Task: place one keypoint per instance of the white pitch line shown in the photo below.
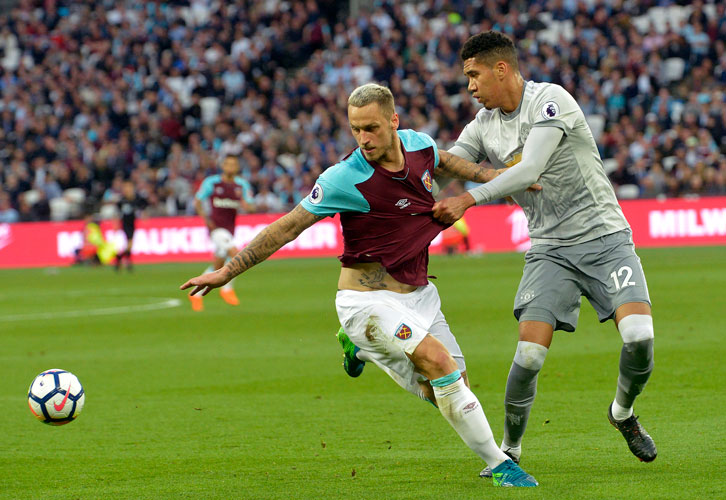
(165, 304)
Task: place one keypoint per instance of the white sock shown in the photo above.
(515, 451)
(620, 413)
(462, 410)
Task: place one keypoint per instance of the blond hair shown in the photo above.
(373, 93)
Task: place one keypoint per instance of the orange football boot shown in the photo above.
(197, 302)
(229, 296)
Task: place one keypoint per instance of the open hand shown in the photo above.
(206, 282)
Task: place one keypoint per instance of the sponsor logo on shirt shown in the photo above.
(427, 182)
(550, 110)
(225, 203)
(403, 203)
(316, 195)
(403, 332)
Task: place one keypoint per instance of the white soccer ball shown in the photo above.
(56, 397)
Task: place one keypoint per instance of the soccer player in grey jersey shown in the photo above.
(581, 242)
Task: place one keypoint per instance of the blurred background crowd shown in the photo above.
(96, 92)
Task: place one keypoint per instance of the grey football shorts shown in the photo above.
(606, 270)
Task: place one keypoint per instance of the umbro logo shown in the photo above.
(403, 203)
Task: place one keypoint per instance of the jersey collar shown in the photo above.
(510, 116)
(399, 175)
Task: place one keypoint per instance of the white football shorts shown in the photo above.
(222, 241)
(389, 325)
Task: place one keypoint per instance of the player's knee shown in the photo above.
(522, 380)
(636, 328)
(442, 361)
(530, 355)
(432, 359)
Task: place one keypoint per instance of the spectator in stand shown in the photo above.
(88, 93)
(7, 212)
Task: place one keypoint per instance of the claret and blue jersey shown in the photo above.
(386, 216)
(224, 198)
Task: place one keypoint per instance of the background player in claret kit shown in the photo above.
(383, 193)
(581, 242)
(227, 194)
(129, 206)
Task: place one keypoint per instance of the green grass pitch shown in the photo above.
(252, 403)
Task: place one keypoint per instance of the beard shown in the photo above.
(382, 150)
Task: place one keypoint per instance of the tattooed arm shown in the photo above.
(455, 167)
(267, 242)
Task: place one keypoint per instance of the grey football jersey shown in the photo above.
(577, 202)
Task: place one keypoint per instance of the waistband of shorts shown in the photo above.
(389, 293)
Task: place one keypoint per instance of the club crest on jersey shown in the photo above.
(550, 110)
(316, 195)
(526, 296)
(403, 332)
(427, 182)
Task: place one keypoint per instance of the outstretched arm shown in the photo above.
(267, 242)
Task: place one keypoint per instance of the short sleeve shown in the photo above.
(246, 190)
(469, 144)
(205, 189)
(428, 139)
(335, 192)
(555, 107)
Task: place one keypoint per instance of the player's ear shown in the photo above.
(394, 121)
(501, 68)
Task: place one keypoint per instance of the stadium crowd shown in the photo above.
(95, 92)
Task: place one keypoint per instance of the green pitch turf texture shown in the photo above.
(252, 402)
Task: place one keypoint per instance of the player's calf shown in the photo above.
(520, 392)
(636, 365)
(636, 362)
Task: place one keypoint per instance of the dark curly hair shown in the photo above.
(490, 47)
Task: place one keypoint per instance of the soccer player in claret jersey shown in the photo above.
(227, 194)
(581, 242)
(383, 193)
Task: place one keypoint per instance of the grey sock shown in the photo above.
(518, 399)
(636, 365)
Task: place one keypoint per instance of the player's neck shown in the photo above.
(394, 160)
(227, 178)
(515, 92)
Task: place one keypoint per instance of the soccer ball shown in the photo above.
(56, 397)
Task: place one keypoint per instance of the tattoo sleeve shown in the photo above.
(271, 239)
(451, 165)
